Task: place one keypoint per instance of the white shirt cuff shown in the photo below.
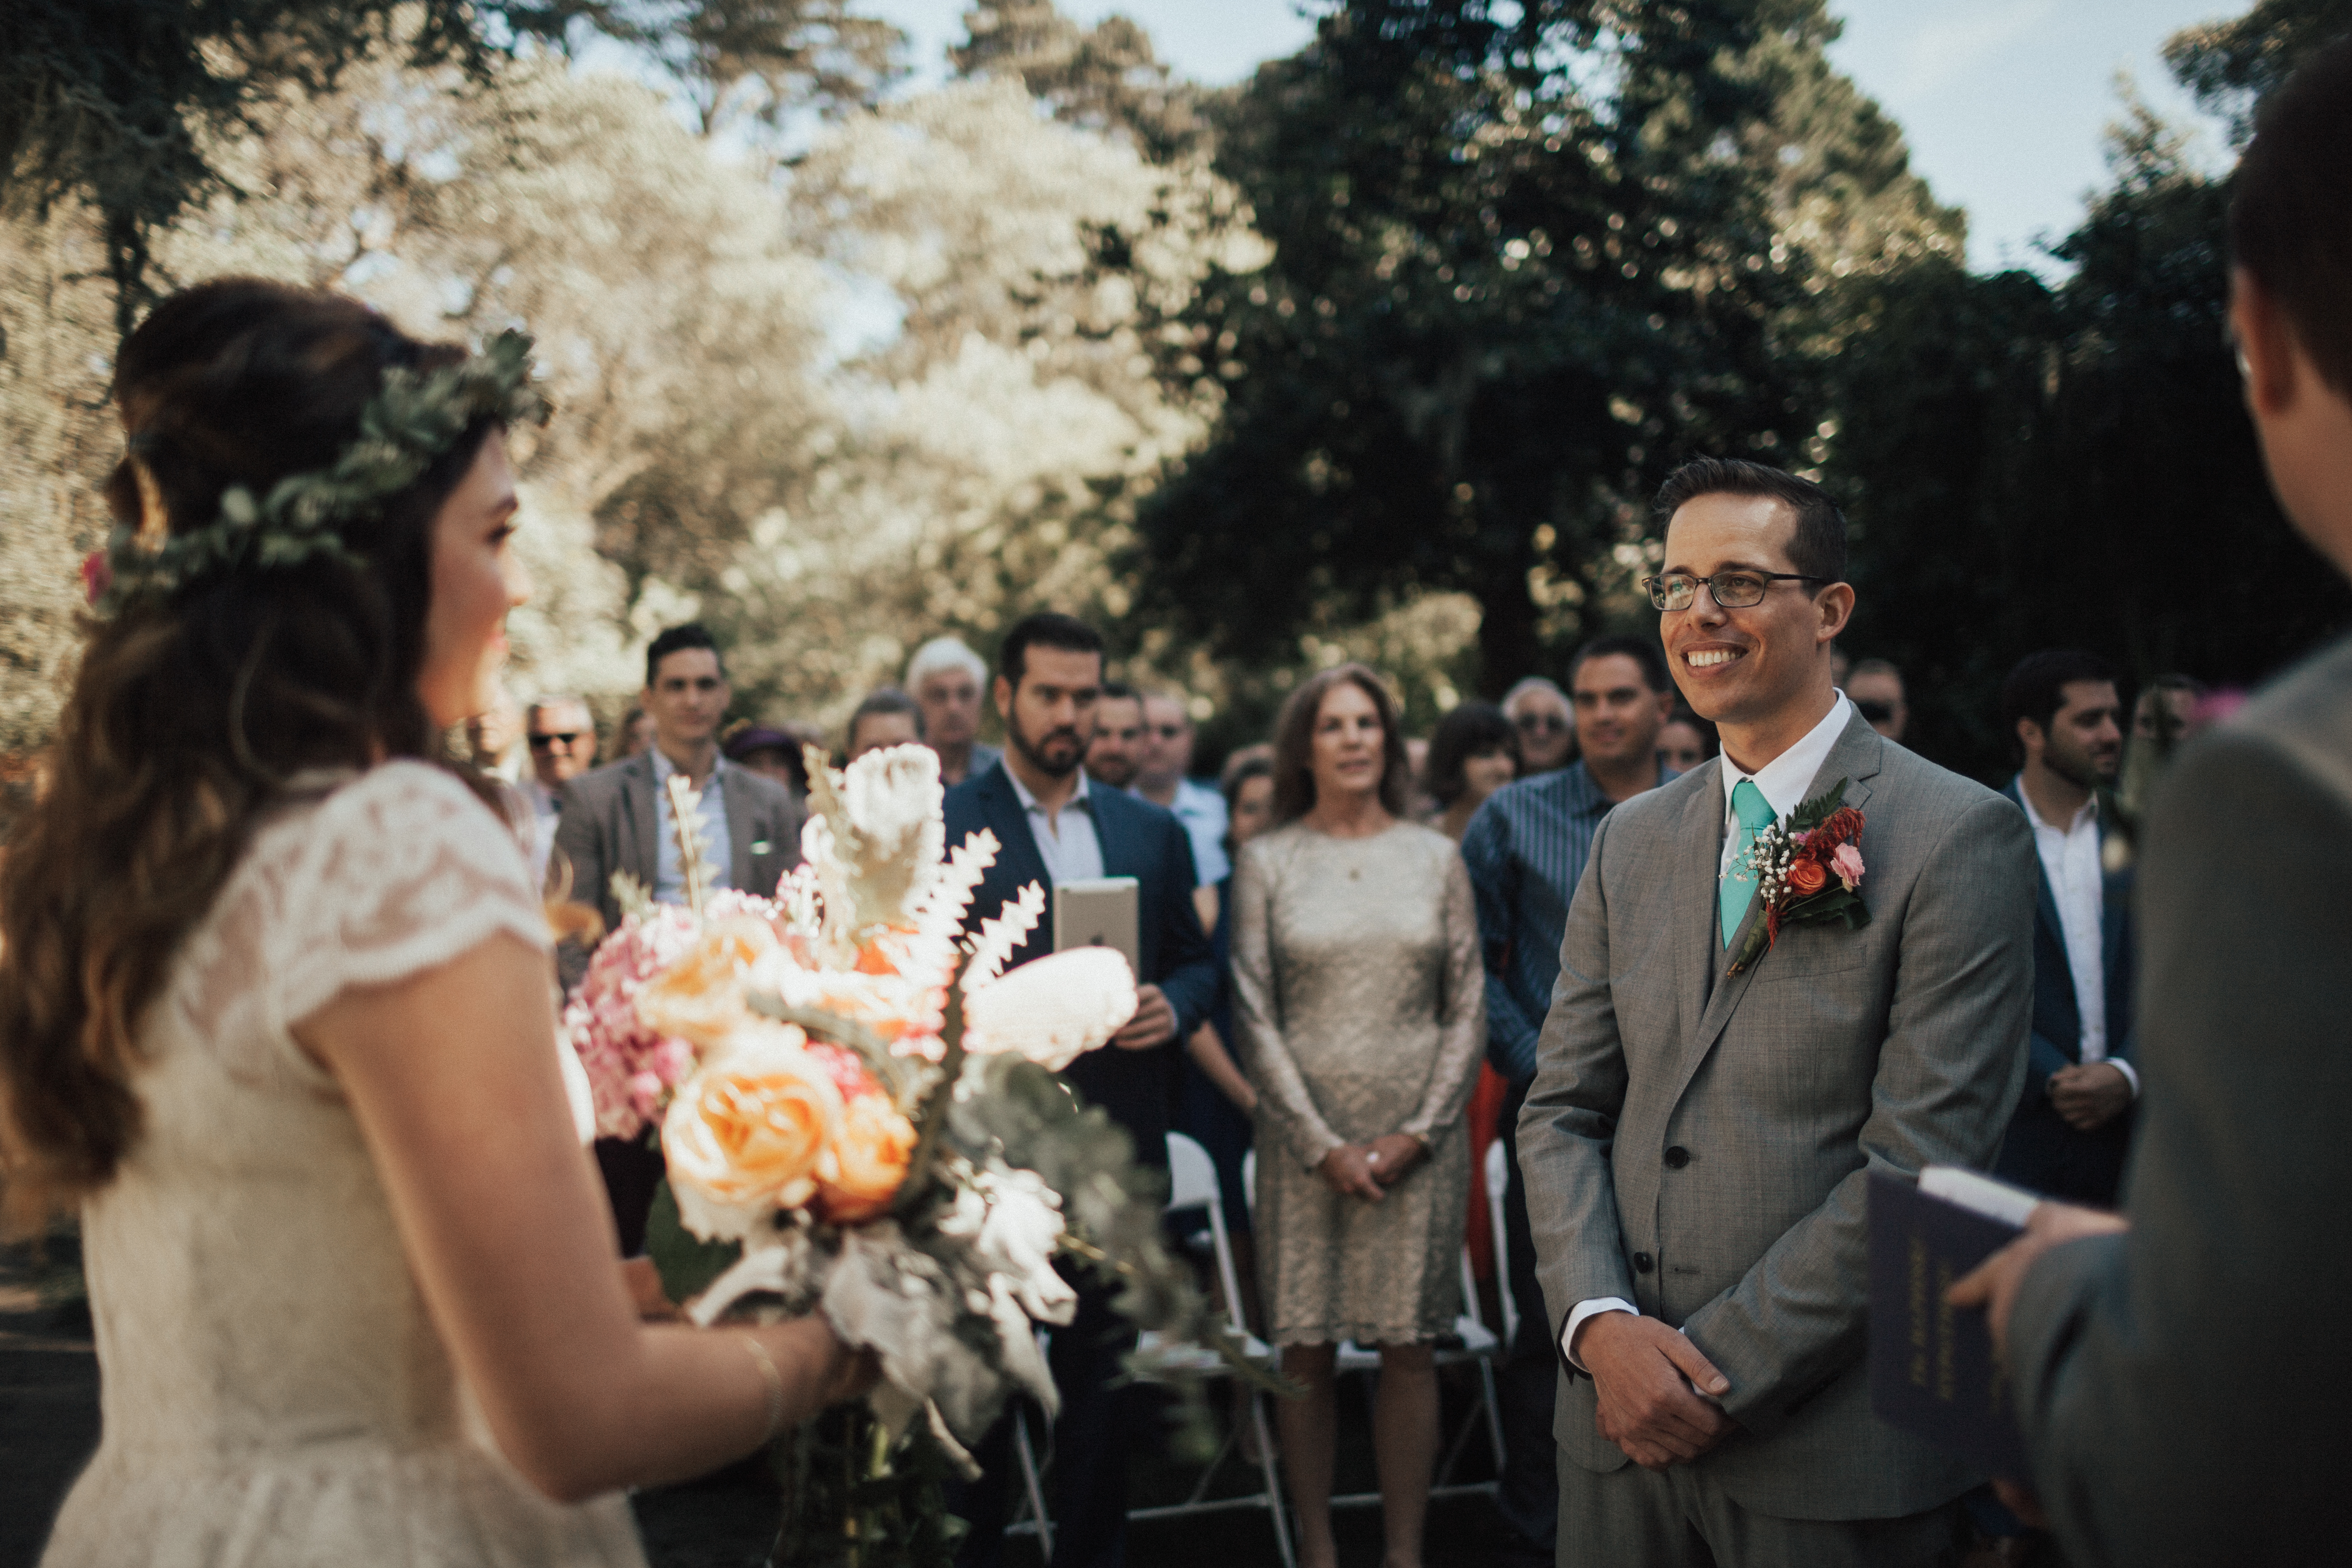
(2131, 1073)
(1589, 1309)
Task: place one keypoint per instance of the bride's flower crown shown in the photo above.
(411, 421)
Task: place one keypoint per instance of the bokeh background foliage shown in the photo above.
(1377, 354)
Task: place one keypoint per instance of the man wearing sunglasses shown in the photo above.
(1697, 1142)
(562, 737)
(1539, 709)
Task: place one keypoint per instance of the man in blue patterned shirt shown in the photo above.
(1526, 849)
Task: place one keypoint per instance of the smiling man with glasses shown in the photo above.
(562, 737)
(1696, 1143)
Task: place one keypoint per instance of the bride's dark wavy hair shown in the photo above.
(191, 711)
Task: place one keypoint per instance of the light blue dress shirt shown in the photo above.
(670, 878)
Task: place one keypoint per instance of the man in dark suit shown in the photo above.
(1054, 828)
(617, 818)
(2073, 1127)
(2182, 1371)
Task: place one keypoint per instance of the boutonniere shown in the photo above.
(1808, 870)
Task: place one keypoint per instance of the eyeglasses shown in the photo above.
(539, 743)
(1731, 590)
(1541, 724)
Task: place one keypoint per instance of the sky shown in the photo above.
(2004, 103)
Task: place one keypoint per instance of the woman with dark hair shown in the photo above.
(1360, 1006)
(1473, 752)
(274, 1006)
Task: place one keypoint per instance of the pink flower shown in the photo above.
(645, 1093)
(1846, 861)
(97, 576)
(672, 1060)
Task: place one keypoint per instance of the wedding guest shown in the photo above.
(562, 734)
(772, 753)
(633, 735)
(1526, 850)
(1163, 779)
(887, 717)
(1697, 1142)
(1356, 996)
(1213, 1098)
(1473, 752)
(354, 1287)
(1116, 752)
(1538, 709)
(1055, 826)
(946, 677)
(1687, 740)
(2182, 1373)
(2167, 709)
(1875, 688)
(617, 818)
(2073, 1126)
(494, 737)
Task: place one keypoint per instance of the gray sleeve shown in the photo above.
(1283, 1100)
(1570, 1121)
(2183, 1387)
(1460, 1010)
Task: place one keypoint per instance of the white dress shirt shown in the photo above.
(670, 878)
(2070, 859)
(1070, 847)
(1202, 810)
(544, 815)
(1785, 782)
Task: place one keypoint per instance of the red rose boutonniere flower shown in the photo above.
(1808, 869)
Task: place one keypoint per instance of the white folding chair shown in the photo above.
(1498, 1173)
(1192, 1184)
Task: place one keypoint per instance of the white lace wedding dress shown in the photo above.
(274, 1391)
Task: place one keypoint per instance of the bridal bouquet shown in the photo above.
(859, 1115)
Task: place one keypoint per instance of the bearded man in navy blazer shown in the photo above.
(1054, 828)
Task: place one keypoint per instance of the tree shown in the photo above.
(1526, 260)
(108, 101)
(1107, 78)
(2031, 467)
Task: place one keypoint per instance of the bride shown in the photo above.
(275, 1002)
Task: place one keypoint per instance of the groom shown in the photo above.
(1697, 1143)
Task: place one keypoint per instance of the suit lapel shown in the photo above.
(1697, 917)
(1855, 759)
(1120, 855)
(2045, 902)
(1019, 858)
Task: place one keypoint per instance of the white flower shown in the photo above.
(1020, 1236)
(1053, 1010)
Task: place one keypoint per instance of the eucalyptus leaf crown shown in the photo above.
(405, 429)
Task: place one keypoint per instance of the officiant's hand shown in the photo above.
(1154, 1023)
(2089, 1095)
(1643, 1374)
(1993, 1284)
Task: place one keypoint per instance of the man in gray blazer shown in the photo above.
(1696, 1143)
(2183, 1382)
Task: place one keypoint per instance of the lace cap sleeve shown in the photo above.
(403, 869)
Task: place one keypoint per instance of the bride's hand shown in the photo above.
(645, 1285)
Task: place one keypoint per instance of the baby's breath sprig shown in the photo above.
(412, 420)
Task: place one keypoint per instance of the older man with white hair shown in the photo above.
(945, 678)
(1539, 709)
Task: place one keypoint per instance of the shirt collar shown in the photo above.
(1786, 777)
(1079, 798)
(2089, 811)
(663, 767)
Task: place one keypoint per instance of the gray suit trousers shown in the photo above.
(1633, 1518)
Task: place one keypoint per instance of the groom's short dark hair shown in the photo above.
(1819, 548)
(1047, 628)
(2290, 221)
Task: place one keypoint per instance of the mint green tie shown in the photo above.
(1739, 885)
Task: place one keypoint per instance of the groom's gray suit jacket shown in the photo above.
(1698, 1144)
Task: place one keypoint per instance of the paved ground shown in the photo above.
(48, 1424)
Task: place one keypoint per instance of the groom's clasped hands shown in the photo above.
(1644, 1375)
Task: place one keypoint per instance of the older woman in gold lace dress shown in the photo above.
(1360, 1004)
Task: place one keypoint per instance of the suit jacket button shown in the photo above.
(1641, 1263)
(1677, 1157)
